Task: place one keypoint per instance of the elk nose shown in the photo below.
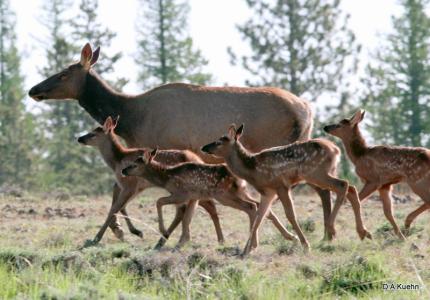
(81, 140)
(205, 148)
(33, 91)
(326, 128)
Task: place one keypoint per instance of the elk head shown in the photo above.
(224, 144)
(344, 128)
(68, 83)
(138, 167)
(99, 135)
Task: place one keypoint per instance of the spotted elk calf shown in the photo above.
(379, 167)
(187, 182)
(126, 188)
(275, 171)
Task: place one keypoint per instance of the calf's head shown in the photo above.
(345, 127)
(100, 136)
(224, 144)
(138, 167)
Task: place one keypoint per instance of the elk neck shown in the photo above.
(102, 101)
(156, 173)
(355, 144)
(112, 151)
(241, 161)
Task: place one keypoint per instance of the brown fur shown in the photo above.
(176, 115)
(379, 167)
(278, 169)
(189, 181)
(116, 156)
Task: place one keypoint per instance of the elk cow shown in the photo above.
(176, 116)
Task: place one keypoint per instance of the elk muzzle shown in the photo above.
(330, 128)
(209, 148)
(85, 138)
(127, 171)
(36, 93)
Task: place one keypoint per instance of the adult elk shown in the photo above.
(382, 166)
(176, 116)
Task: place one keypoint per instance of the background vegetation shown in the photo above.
(314, 57)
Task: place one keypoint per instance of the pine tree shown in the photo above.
(303, 46)
(398, 81)
(67, 164)
(165, 50)
(16, 127)
(86, 28)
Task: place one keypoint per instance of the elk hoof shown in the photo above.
(331, 235)
(401, 236)
(90, 243)
(138, 233)
(306, 248)
(119, 233)
(365, 234)
(161, 242)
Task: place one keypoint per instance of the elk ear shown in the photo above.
(115, 122)
(95, 56)
(232, 131)
(108, 124)
(356, 118)
(363, 112)
(86, 55)
(153, 153)
(239, 132)
(146, 156)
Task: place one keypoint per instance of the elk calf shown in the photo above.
(126, 188)
(276, 170)
(187, 182)
(379, 167)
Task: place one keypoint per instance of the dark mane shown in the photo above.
(99, 99)
(358, 144)
(246, 157)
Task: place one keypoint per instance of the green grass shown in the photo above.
(40, 257)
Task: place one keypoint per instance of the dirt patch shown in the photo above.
(69, 213)
(397, 199)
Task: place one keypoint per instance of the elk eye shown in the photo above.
(63, 76)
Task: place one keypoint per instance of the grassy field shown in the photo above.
(40, 237)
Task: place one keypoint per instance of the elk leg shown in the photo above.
(356, 207)
(326, 205)
(179, 215)
(130, 225)
(115, 225)
(367, 190)
(263, 209)
(210, 207)
(414, 214)
(385, 194)
(422, 191)
(189, 213)
(273, 218)
(287, 202)
(165, 201)
(340, 187)
(124, 196)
